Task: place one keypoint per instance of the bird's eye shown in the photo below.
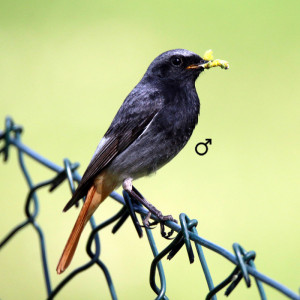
(176, 61)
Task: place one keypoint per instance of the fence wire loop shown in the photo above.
(240, 269)
(129, 203)
(10, 128)
(124, 214)
(238, 273)
(186, 232)
(70, 170)
(66, 173)
(243, 258)
(186, 225)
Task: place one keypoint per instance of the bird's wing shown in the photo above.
(118, 137)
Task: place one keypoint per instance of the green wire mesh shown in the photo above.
(186, 232)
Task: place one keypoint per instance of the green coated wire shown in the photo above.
(186, 233)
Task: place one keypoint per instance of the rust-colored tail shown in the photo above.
(96, 194)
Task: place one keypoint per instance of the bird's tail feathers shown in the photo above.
(93, 200)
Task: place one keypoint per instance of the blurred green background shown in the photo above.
(65, 68)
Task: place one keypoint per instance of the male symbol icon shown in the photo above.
(208, 142)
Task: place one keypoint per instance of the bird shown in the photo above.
(151, 127)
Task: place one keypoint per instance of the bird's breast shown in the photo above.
(162, 140)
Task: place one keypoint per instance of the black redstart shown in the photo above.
(153, 124)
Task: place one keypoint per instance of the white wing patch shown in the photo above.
(103, 141)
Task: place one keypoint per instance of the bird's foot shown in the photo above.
(137, 196)
(162, 220)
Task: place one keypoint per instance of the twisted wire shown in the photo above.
(186, 232)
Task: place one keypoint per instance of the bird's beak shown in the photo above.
(197, 66)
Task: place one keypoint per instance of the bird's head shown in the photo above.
(176, 66)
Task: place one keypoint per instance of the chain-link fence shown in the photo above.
(186, 232)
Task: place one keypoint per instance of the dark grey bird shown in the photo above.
(153, 124)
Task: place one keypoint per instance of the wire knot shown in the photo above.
(186, 225)
(66, 173)
(244, 258)
(10, 127)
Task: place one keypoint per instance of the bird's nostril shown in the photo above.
(203, 61)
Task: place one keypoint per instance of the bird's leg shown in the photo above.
(146, 221)
(127, 186)
(134, 193)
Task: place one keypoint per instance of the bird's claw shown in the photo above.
(163, 219)
(151, 225)
(147, 224)
(164, 234)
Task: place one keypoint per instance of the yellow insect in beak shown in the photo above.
(208, 55)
